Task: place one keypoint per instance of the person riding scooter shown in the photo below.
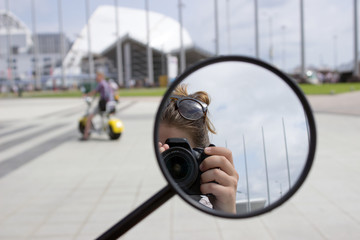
(106, 95)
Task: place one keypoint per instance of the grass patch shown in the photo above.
(142, 92)
(133, 92)
(329, 88)
(308, 89)
(45, 94)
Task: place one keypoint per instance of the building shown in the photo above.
(15, 44)
(134, 61)
(42, 63)
(18, 53)
(164, 44)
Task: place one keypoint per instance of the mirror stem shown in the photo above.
(138, 214)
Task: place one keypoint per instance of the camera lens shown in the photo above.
(177, 167)
(182, 166)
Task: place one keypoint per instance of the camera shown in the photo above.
(183, 162)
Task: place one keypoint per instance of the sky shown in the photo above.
(329, 37)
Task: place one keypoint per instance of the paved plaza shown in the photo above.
(54, 186)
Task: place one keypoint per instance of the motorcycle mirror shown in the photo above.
(260, 116)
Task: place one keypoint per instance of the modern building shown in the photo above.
(19, 55)
(15, 44)
(165, 65)
(149, 42)
(129, 30)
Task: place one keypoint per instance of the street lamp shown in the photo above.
(228, 25)
(36, 47)
(216, 27)
(335, 52)
(182, 51)
(283, 28)
(302, 39)
(62, 44)
(118, 47)
(356, 56)
(90, 56)
(256, 29)
(9, 48)
(149, 52)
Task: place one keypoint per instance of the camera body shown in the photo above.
(183, 162)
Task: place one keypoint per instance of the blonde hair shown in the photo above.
(197, 129)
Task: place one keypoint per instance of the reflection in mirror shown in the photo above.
(258, 129)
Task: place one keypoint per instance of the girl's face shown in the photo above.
(167, 131)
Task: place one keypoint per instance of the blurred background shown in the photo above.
(59, 44)
(53, 186)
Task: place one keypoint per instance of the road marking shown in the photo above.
(11, 164)
(28, 137)
(16, 130)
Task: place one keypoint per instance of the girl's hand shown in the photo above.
(163, 147)
(220, 178)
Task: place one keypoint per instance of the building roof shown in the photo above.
(9, 23)
(7, 19)
(164, 32)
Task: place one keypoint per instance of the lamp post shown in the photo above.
(356, 55)
(36, 47)
(283, 28)
(9, 48)
(149, 52)
(256, 29)
(302, 39)
(90, 56)
(216, 27)
(118, 48)
(182, 51)
(335, 52)
(62, 43)
(271, 45)
(228, 25)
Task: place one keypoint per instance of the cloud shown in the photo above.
(248, 101)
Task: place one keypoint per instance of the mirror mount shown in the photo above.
(138, 214)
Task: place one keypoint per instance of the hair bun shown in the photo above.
(202, 96)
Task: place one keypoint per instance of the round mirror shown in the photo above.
(234, 136)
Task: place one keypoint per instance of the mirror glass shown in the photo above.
(256, 117)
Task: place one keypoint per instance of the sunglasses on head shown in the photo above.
(189, 108)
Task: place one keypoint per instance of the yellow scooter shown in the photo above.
(108, 123)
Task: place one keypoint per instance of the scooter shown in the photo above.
(108, 123)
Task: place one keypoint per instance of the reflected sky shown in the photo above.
(255, 112)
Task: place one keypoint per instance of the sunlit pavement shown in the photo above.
(53, 186)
